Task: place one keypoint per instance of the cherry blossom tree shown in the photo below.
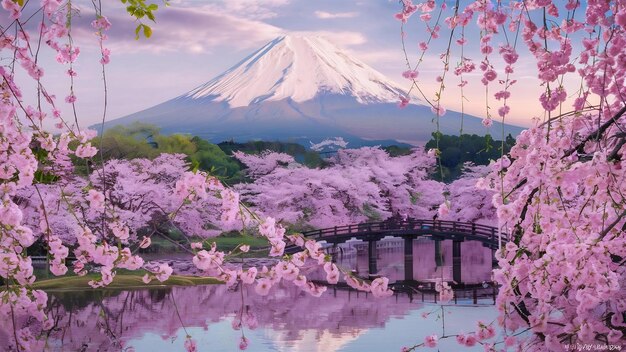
(97, 217)
(469, 203)
(359, 185)
(43, 198)
(141, 194)
(560, 191)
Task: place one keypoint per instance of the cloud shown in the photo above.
(251, 9)
(341, 39)
(183, 29)
(194, 30)
(329, 15)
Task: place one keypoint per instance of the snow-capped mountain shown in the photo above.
(297, 68)
(300, 88)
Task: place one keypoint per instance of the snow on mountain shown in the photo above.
(302, 89)
(297, 68)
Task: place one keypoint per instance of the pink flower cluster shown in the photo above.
(410, 74)
(445, 291)
(555, 192)
(101, 25)
(275, 234)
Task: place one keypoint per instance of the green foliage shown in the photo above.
(394, 150)
(144, 141)
(129, 280)
(45, 178)
(415, 197)
(371, 213)
(175, 143)
(228, 241)
(457, 150)
(140, 9)
(147, 31)
(134, 141)
(41, 176)
(210, 157)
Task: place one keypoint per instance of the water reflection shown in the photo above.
(288, 319)
(429, 262)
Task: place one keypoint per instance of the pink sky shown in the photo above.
(196, 40)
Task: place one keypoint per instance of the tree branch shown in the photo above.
(596, 134)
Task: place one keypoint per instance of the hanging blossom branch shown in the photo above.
(562, 184)
(93, 218)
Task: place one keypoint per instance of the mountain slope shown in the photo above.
(297, 68)
(301, 89)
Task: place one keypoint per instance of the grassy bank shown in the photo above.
(225, 242)
(121, 281)
(228, 242)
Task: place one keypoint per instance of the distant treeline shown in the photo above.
(457, 150)
(145, 141)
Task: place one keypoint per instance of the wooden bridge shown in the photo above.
(409, 230)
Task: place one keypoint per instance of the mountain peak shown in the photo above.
(297, 67)
(301, 89)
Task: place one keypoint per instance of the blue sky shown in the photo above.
(195, 40)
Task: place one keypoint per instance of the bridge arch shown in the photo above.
(410, 229)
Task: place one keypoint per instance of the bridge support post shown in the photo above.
(438, 256)
(371, 252)
(408, 258)
(456, 261)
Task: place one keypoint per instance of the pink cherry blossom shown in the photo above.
(190, 345)
(145, 242)
(249, 276)
(410, 74)
(243, 343)
(404, 102)
(263, 287)
(430, 341)
(438, 110)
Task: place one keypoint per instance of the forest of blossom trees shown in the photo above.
(360, 185)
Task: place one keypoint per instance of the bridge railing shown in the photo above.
(434, 226)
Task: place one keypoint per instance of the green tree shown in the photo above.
(457, 150)
(145, 141)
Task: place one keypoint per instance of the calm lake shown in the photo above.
(286, 320)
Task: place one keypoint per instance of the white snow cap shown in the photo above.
(297, 67)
